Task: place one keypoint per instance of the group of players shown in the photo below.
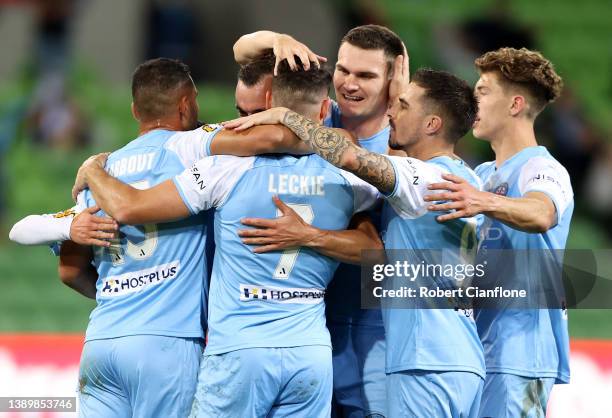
(279, 340)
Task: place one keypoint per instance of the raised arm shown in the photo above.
(75, 269)
(335, 145)
(249, 46)
(126, 204)
(290, 231)
(268, 139)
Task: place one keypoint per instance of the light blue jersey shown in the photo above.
(273, 299)
(440, 340)
(268, 308)
(343, 296)
(526, 342)
(358, 335)
(152, 280)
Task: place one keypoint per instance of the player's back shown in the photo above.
(418, 337)
(151, 279)
(276, 299)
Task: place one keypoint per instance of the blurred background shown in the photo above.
(65, 94)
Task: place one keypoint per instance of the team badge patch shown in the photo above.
(208, 128)
(502, 189)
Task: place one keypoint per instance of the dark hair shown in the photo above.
(157, 85)
(525, 69)
(252, 72)
(294, 88)
(452, 97)
(376, 37)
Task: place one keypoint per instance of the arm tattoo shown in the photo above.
(330, 144)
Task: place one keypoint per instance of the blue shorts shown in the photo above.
(506, 395)
(359, 369)
(265, 382)
(138, 376)
(420, 393)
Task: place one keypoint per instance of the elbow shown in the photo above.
(238, 56)
(124, 215)
(14, 233)
(18, 233)
(543, 223)
(124, 210)
(67, 275)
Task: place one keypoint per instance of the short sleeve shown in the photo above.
(191, 146)
(547, 176)
(209, 181)
(365, 195)
(412, 177)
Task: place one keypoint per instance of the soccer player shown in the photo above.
(435, 361)
(254, 84)
(528, 203)
(145, 337)
(140, 279)
(361, 82)
(265, 309)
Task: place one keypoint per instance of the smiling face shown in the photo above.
(407, 118)
(494, 104)
(252, 99)
(361, 81)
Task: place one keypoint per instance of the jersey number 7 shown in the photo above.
(289, 257)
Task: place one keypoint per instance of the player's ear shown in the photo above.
(183, 105)
(268, 99)
(135, 112)
(518, 105)
(324, 109)
(433, 124)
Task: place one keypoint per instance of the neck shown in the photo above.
(430, 148)
(170, 125)
(513, 140)
(365, 127)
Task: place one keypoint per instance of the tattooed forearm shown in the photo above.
(339, 150)
(326, 142)
(376, 169)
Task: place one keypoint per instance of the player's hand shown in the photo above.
(80, 183)
(286, 47)
(287, 231)
(401, 76)
(88, 229)
(272, 116)
(459, 196)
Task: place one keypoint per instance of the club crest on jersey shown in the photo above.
(208, 128)
(501, 190)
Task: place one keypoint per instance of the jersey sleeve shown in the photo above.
(209, 181)
(365, 195)
(412, 177)
(547, 176)
(44, 229)
(191, 146)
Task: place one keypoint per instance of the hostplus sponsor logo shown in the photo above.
(137, 281)
(281, 294)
